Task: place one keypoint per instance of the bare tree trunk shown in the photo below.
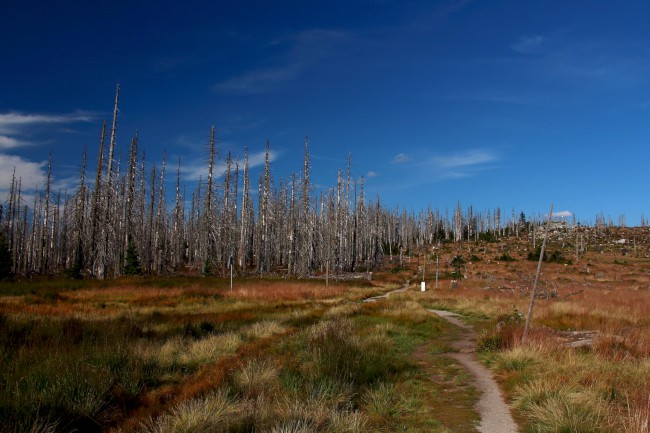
(109, 186)
(130, 193)
(539, 269)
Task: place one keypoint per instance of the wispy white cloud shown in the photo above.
(372, 174)
(15, 132)
(528, 44)
(473, 157)
(10, 123)
(7, 142)
(16, 127)
(563, 214)
(425, 168)
(569, 57)
(400, 158)
(259, 81)
(303, 50)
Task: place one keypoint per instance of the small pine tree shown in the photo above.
(132, 261)
(207, 269)
(5, 258)
(458, 264)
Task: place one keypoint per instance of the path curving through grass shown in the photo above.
(386, 295)
(495, 414)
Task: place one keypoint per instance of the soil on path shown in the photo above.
(386, 295)
(495, 415)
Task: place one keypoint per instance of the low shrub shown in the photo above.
(504, 335)
(505, 257)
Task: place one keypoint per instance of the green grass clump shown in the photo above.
(341, 354)
(552, 407)
(66, 372)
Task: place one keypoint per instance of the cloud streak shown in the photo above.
(7, 142)
(400, 158)
(260, 81)
(305, 49)
(427, 169)
(198, 169)
(10, 123)
(15, 126)
(469, 158)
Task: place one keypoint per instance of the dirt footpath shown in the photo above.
(495, 415)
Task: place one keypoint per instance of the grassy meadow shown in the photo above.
(274, 355)
(190, 355)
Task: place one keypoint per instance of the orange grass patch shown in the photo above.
(57, 309)
(260, 290)
(285, 291)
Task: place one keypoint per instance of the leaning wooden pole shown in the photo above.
(539, 269)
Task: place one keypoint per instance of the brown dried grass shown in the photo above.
(285, 291)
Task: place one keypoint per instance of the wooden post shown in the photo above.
(539, 268)
(577, 249)
(424, 267)
(327, 272)
(436, 271)
(232, 262)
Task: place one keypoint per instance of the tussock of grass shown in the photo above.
(264, 329)
(519, 358)
(383, 406)
(407, 312)
(340, 354)
(213, 412)
(568, 412)
(256, 377)
(178, 352)
(342, 310)
(324, 406)
(347, 422)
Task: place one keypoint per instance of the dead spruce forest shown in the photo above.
(121, 222)
(107, 352)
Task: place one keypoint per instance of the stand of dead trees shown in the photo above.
(123, 223)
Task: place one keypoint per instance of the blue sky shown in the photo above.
(490, 103)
